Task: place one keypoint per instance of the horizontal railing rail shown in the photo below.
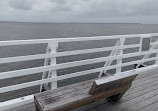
(61, 54)
(50, 67)
(42, 41)
(17, 73)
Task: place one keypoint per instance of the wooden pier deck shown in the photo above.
(142, 96)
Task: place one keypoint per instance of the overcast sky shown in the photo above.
(107, 11)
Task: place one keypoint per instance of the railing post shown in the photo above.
(46, 63)
(109, 62)
(145, 40)
(120, 52)
(156, 61)
(54, 46)
(51, 48)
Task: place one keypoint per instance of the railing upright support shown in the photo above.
(156, 61)
(54, 47)
(46, 63)
(145, 45)
(51, 48)
(109, 62)
(119, 61)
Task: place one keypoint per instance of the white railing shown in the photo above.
(50, 67)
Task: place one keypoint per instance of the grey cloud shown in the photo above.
(80, 10)
(59, 1)
(21, 4)
(149, 7)
(107, 8)
(113, 8)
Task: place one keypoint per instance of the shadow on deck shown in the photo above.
(142, 96)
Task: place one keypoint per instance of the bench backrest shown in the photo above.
(106, 83)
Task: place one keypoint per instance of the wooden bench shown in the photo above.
(73, 96)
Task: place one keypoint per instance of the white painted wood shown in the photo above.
(119, 61)
(39, 41)
(46, 63)
(53, 73)
(101, 37)
(153, 43)
(24, 58)
(108, 63)
(144, 36)
(24, 42)
(16, 102)
(152, 47)
(61, 54)
(22, 72)
(156, 61)
(140, 48)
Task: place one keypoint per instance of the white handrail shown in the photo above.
(41, 41)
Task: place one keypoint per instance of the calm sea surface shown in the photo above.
(21, 31)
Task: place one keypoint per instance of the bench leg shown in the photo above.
(115, 97)
(36, 108)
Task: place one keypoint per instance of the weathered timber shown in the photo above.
(74, 96)
(106, 83)
(76, 99)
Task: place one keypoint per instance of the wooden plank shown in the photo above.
(142, 89)
(142, 104)
(133, 102)
(136, 94)
(82, 99)
(119, 106)
(16, 102)
(143, 78)
(26, 107)
(146, 74)
(106, 83)
(91, 105)
(151, 107)
(50, 92)
(147, 81)
(64, 92)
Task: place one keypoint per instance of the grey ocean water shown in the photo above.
(21, 31)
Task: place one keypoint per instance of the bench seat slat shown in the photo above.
(64, 90)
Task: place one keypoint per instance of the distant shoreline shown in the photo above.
(65, 22)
